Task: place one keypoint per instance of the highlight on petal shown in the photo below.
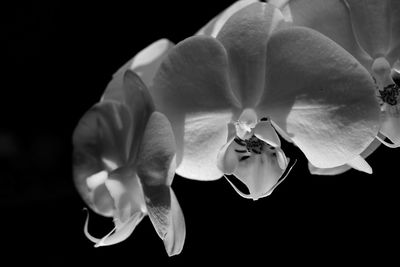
(192, 90)
(259, 172)
(102, 136)
(264, 131)
(322, 97)
(145, 64)
(329, 17)
(118, 234)
(126, 190)
(214, 26)
(156, 159)
(360, 164)
(245, 36)
(176, 233)
(246, 122)
(343, 168)
(391, 129)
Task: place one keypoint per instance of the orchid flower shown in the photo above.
(369, 31)
(124, 164)
(228, 96)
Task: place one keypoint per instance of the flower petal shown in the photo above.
(158, 202)
(343, 168)
(391, 128)
(192, 90)
(214, 26)
(322, 97)
(156, 159)
(394, 53)
(145, 64)
(265, 132)
(360, 164)
(122, 232)
(101, 141)
(227, 160)
(259, 172)
(127, 193)
(371, 24)
(329, 17)
(245, 37)
(166, 216)
(176, 233)
(137, 99)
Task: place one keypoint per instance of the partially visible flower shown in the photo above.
(227, 96)
(370, 31)
(124, 164)
(213, 27)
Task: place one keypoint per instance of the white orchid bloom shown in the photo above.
(124, 164)
(227, 96)
(369, 30)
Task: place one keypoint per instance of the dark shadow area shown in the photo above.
(59, 58)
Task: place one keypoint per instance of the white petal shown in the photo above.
(360, 164)
(156, 159)
(145, 64)
(391, 129)
(192, 90)
(371, 24)
(176, 233)
(118, 234)
(121, 233)
(104, 132)
(227, 159)
(214, 26)
(345, 167)
(322, 97)
(126, 191)
(245, 36)
(260, 173)
(329, 17)
(264, 131)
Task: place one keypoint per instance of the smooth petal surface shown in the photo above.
(227, 159)
(394, 53)
(360, 164)
(176, 232)
(192, 90)
(135, 96)
(118, 234)
(214, 26)
(265, 132)
(343, 168)
(391, 129)
(145, 64)
(127, 193)
(371, 22)
(329, 17)
(259, 172)
(245, 37)
(156, 160)
(322, 97)
(101, 141)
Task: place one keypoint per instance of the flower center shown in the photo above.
(253, 145)
(388, 92)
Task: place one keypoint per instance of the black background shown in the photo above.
(58, 58)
